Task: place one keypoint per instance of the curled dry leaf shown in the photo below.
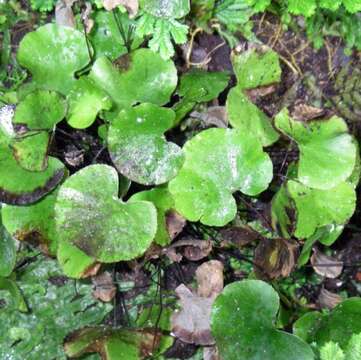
(104, 287)
(132, 6)
(213, 116)
(327, 299)
(325, 265)
(304, 112)
(193, 249)
(191, 324)
(275, 258)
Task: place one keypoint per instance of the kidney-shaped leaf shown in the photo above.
(53, 54)
(138, 147)
(242, 324)
(90, 216)
(141, 76)
(327, 150)
(218, 163)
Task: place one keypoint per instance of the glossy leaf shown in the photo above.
(90, 216)
(327, 150)
(19, 186)
(337, 326)
(142, 76)
(85, 102)
(316, 208)
(253, 68)
(53, 54)
(242, 324)
(40, 110)
(138, 147)
(33, 223)
(218, 163)
(164, 202)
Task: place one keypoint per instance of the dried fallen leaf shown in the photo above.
(325, 265)
(132, 6)
(254, 94)
(191, 324)
(275, 258)
(211, 353)
(193, 249)
(328, 299)
(239, 236)
(210, 278)
(213, 116)
(64, 14)
(174, 223)
(104, 287)
(304, 112)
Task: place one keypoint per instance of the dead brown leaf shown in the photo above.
(254, 94)
(213, 116)
(325, 265)
(174, 223)
(64, 14)
(304, 112)
(104, 288)
(275, 258)
(132, 6)
(210, 278)
(211, 353)
(239, 235)
(193, 249)
(328, 299)
(191, 323)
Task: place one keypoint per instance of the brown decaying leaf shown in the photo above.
(304, 112)
(275, 258)
(132, 6)
(325, 265)
(174, 223)
(211, 353)
(254, 94)
(327, 299)
(64, 14)
(191, 324)
(239, 235)
(213, 116)
(104, 288)
(193, 249)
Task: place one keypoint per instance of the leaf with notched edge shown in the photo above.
(138, 147)
(90, 216)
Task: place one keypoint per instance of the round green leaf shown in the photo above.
(53, 54)
(164, 202)
(138, 147)
(40, 110)
(166, 9)
(316, 208)
(19, 186)
(142, 76)
(31, 151)
(7, 252)
(218, 163)
(242, 323)
(90, 216)
(327, 150)
(85, 101)
(33, 223)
